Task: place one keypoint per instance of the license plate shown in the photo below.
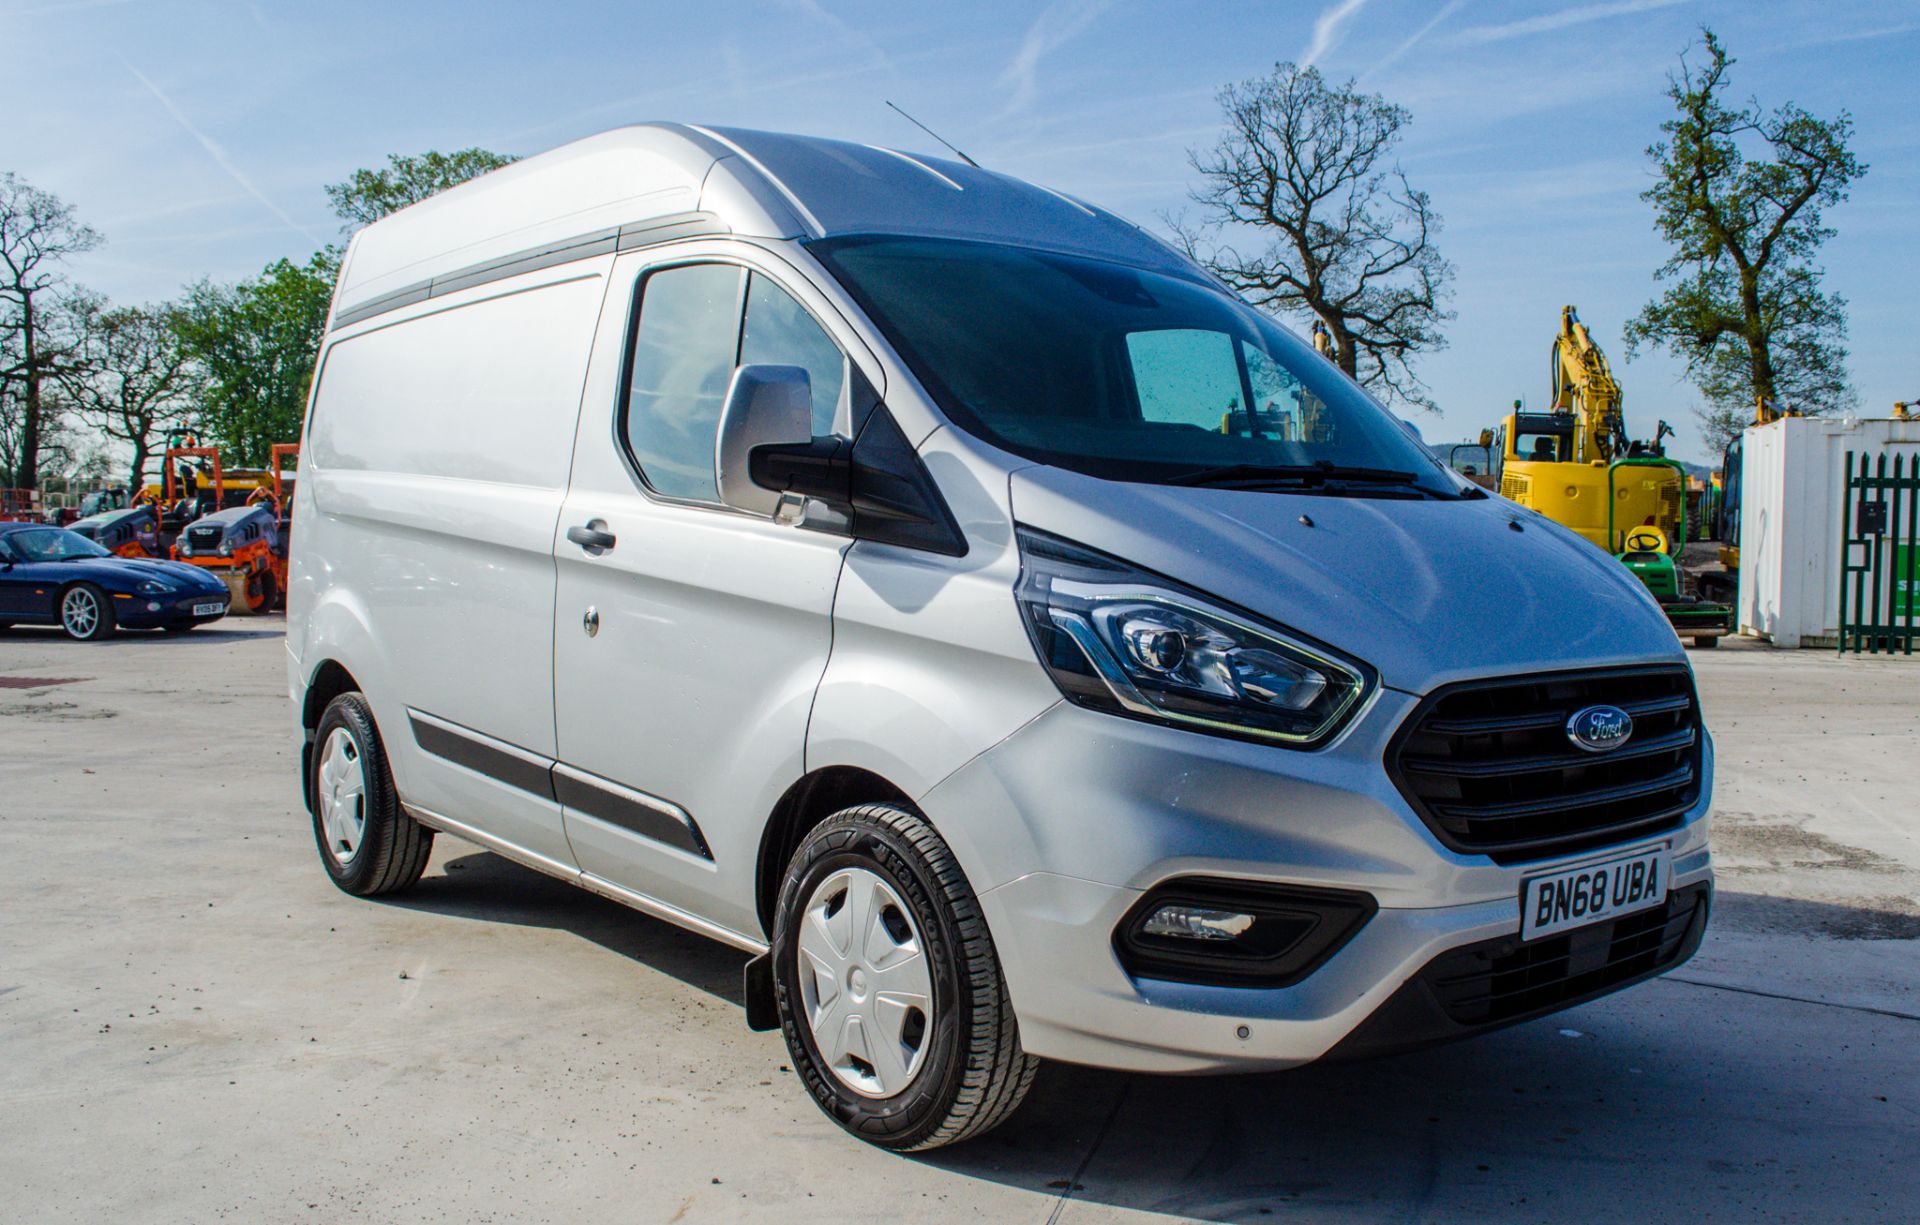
(1592, 893)
(208, 610)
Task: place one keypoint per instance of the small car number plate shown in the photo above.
(208, 610)
(1593, 892)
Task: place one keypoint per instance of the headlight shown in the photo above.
(226, 548)
(155, 587)
(1132, 643)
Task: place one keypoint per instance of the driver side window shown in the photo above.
(697, 324)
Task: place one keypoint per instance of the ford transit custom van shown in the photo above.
(944, 592)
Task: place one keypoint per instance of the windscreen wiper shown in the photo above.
(1255, 475)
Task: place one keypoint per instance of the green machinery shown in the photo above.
(1647, 551)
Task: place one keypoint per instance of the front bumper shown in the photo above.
(172, 608)
(1064, 826)
(1502, 982)
(1075, 1002)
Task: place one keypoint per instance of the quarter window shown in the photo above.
(779, 332)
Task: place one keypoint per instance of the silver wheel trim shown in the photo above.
(866, 993)
(342, 795)
(79, 612)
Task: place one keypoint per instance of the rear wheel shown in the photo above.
(368, 843)
(1705, 643)
(888, 986)
(85, 613)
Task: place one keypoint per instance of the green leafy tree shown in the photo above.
(1740, 196)
(254, 346)
(1306, 215)
(368, 195)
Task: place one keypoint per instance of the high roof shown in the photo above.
(662, 179)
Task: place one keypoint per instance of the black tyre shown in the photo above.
(86, 613)
(368, 843)
(1704, 643)
(888, 986)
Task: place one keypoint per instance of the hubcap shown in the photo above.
(864, 983)
(79, 612)
(343, 795)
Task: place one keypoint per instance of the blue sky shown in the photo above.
(196, 134)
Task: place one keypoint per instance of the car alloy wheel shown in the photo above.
(865, 986)
(79, 612)
(342, 795)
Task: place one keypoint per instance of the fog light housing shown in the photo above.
(1237, 933)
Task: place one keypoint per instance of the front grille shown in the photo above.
(204, 537)
(1503, 980)
(1490, 769)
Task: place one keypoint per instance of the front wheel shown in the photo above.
(368, 843)
(888, 986)
(85, 613)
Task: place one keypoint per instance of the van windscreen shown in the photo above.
(1116, 371)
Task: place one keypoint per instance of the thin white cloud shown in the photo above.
(1392, 57)
(1327, 30)
(219, 155)
(1057, 24)
(1547, 22)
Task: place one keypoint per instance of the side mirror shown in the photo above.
(766, 406)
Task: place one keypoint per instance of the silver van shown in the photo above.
(946, 593)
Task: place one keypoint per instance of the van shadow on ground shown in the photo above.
(1672, 1100)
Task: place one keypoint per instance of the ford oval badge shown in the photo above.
(1600, 729)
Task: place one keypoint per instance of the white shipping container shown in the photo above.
(1793, 484)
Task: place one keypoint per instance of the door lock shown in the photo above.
(590, 621)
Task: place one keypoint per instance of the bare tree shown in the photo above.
(37, 231)
(1743, 303)
(131, 378)
(1333, 230)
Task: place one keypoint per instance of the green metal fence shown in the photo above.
(1880, 554)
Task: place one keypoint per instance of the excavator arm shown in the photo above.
(1583, 385)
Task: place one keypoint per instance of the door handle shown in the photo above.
(594, 537)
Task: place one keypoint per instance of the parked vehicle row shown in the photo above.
(55, 576)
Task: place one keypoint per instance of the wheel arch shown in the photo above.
(809, 801)
(327, 681)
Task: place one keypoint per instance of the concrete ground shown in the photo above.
(195, 1026)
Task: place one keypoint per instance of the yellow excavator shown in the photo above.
(1576, 465)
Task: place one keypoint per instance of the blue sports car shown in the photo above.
(51, 576)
